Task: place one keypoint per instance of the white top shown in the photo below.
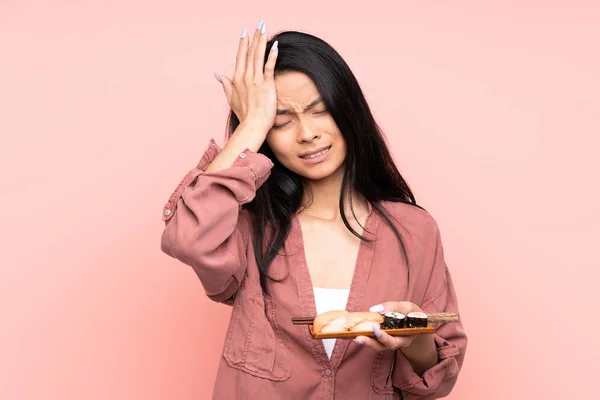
(327, 300)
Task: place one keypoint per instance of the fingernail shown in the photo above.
(377, 331)
(260, 24)
(263, 28)
(244, 33)
(217, 76)
(274, 47)
(377, 308)
(358, 341)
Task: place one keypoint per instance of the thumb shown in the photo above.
(403, 307)
(227, 86)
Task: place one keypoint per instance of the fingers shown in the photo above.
(241, 58)
(249, 76)
(383, 341)
(250, 58)
(370, 342)
(259, 54)
(250, 62)
(392, 342)
(270, 65)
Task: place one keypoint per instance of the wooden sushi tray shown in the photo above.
(354, 334)
(432, 318)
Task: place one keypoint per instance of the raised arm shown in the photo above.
(205, 226)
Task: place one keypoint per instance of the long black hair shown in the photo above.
(369, 167)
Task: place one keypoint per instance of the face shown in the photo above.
(305, 138)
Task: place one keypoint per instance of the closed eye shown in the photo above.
(280, 126)
(320, 112)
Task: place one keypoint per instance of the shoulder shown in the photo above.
(411, 219)
(420, 236)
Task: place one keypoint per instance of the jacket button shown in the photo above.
(167, 212)
(327, 372)
(243, 155)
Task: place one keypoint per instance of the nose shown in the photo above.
(307, 132)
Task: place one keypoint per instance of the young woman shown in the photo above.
(301, 212)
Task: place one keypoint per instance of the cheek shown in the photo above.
(280, 145)
(338, 138)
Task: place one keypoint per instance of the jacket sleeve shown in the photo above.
(450, 338)
(205, 226)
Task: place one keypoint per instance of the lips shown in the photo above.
(315, 153)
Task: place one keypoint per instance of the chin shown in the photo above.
(314, 175)
(320, 172)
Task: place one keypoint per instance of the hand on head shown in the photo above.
(251, 91)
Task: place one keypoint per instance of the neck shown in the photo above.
(322, 198)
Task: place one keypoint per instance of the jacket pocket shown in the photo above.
(381, 373)
(254, 343)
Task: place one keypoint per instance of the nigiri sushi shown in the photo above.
(363, 321)
(330, 321)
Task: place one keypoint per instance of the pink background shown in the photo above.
(492, 111)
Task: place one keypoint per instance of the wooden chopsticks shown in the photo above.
(302, 320)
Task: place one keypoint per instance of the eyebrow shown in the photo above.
(311, 105)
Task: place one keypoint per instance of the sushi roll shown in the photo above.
(416, 320)
(393, 320)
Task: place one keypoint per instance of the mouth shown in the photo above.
(309, 155)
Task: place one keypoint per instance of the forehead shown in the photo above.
(295, 89)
